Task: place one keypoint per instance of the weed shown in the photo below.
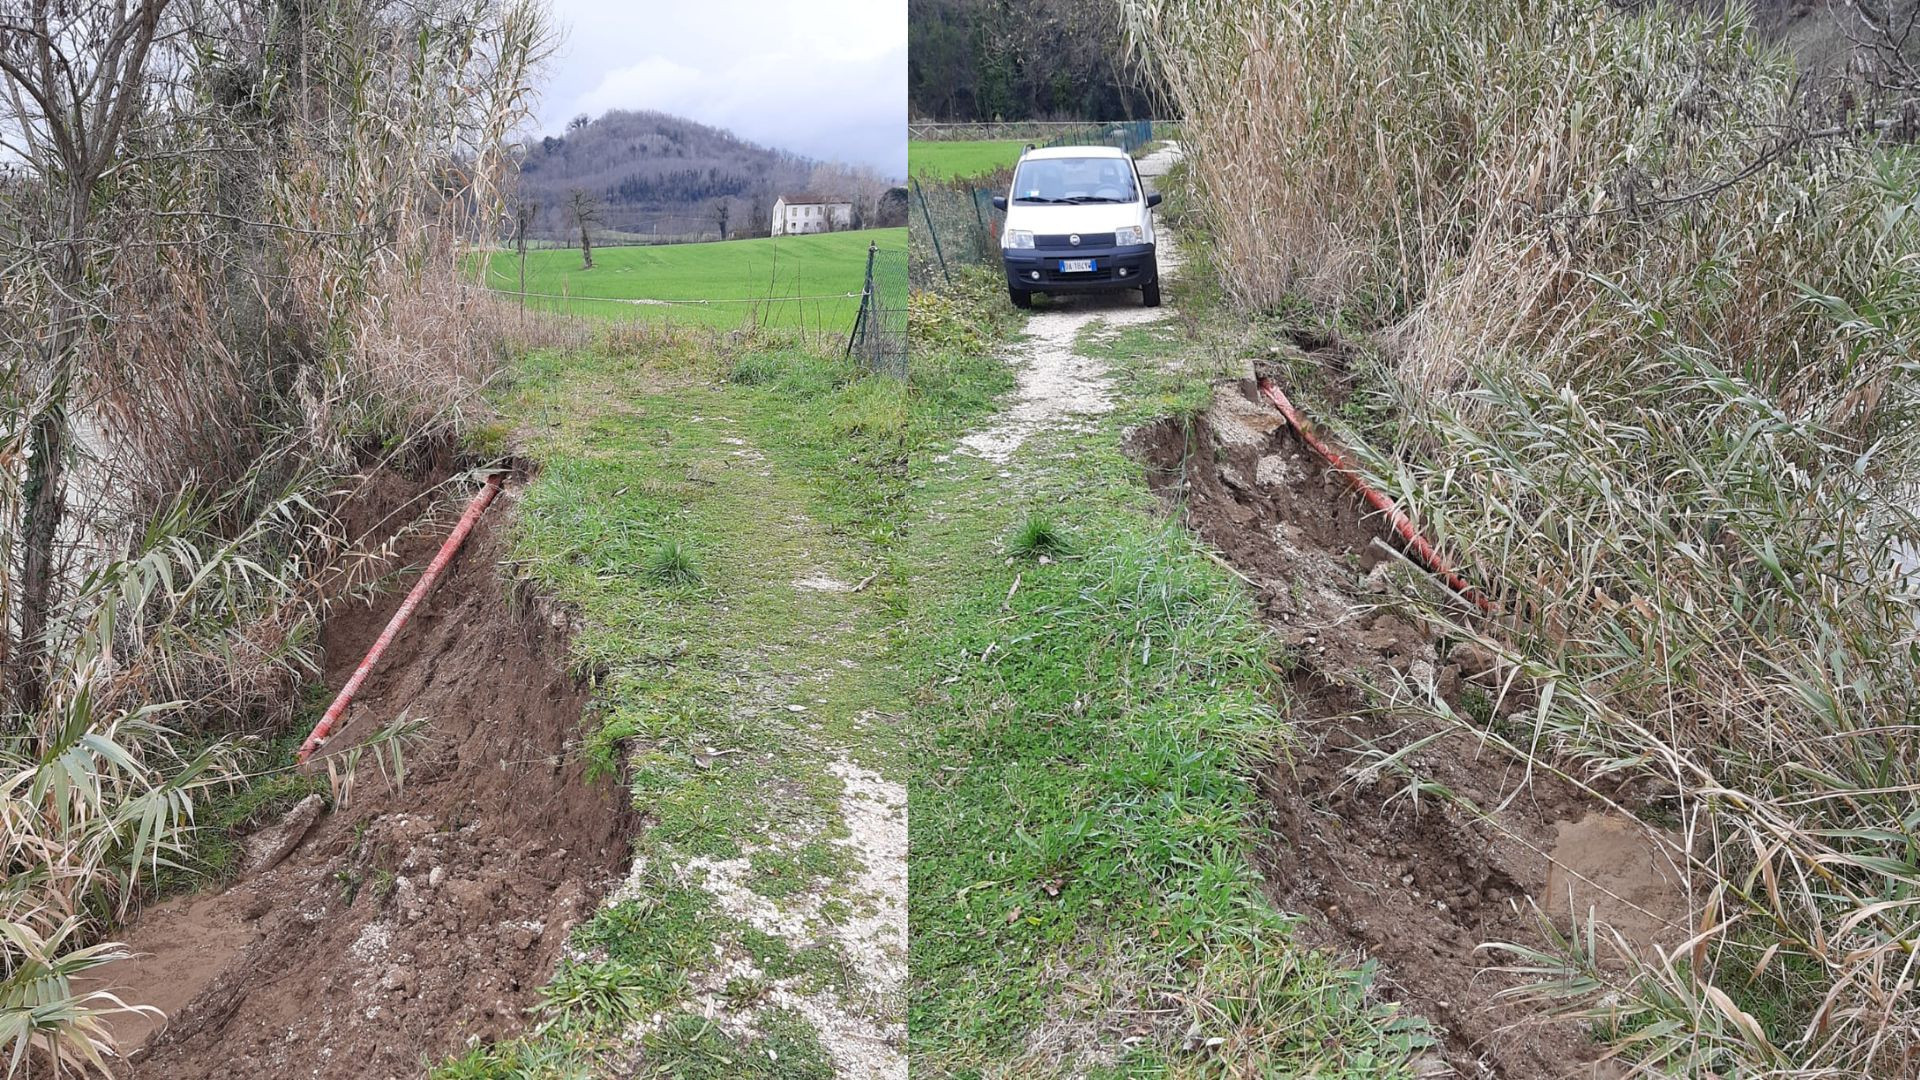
(1477, 705)
(521, 1059)
(349, 880)
(756, 368)
(1037, 535)
(671, 562)
(591, 996)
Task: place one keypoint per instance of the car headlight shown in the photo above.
(1018, 238)
(1129, 234)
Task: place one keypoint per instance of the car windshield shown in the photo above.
(1074, 180)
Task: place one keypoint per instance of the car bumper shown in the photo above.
(1127, 267)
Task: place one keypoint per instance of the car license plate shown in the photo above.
(1076, 266)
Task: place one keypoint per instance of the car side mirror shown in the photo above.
(999, 202)
(1153, 200)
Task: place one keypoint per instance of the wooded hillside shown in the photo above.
(1045, 60)
(650, 173)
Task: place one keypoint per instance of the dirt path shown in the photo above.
(1059, 387)
(1403, 841)
(1410, 842)
(817, 678)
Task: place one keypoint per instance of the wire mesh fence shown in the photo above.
(879, 335)
(952, 223)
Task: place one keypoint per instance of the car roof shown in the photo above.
(1045, 152)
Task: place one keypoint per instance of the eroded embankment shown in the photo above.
(1417, 879)
(371, 940)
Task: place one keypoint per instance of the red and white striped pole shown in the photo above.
(1423, 550)
(419, 593)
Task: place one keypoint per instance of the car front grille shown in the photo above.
(1065, 240)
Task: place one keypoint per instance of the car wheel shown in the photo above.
(1021, 298)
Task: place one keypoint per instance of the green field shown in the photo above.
(807, 282)
(946, 160)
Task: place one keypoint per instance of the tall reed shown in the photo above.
(1647, 305)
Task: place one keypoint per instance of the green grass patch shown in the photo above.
(787, 1049)
(745, 281)
(960, 158)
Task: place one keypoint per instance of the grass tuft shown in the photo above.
(1038, 534)
(671, 562)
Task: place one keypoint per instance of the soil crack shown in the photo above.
(418, 918)
(1410, 840)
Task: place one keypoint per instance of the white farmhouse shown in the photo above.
(794, 214)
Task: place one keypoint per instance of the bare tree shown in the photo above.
(584, 211)
(720, 211)
(858, 184)
(74, 75)
(760, 214)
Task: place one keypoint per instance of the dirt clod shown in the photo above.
(267, 847)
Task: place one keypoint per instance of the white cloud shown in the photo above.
(828, 80)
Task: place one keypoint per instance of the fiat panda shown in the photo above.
(1078, 220)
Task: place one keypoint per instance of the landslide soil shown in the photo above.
(418, 918)
(1417, 884)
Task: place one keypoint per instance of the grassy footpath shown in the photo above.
(949, 160)
(1091, 695)
(724, 521)
(744, 273)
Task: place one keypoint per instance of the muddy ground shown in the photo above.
(1416, 884)
(370, 940)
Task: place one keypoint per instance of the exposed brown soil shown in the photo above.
(369, 941)
(1417, 884)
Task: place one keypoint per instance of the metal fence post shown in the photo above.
(866, 297)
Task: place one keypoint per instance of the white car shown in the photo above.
(1078, 220)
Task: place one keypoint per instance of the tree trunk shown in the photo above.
(45, 495)
(586, 249)
(46, 505)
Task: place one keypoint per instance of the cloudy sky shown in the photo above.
(826, 78)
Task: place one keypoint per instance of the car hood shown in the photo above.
(1050, 218)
